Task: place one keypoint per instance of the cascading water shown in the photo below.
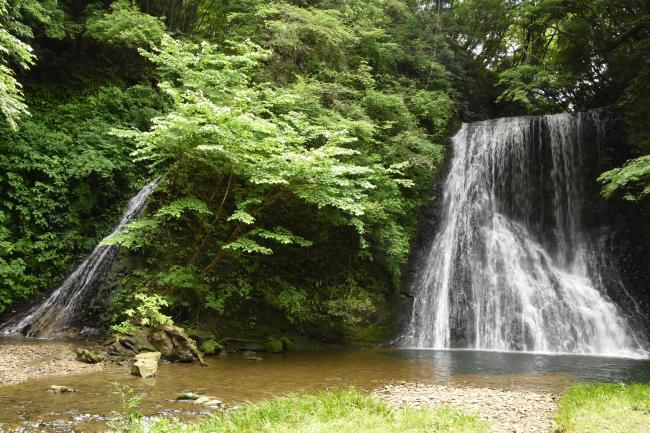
(57, 312)
(512, 266)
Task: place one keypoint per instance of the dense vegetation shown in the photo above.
(297, 141)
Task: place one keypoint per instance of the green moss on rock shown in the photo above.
(274, 346)
(211, 347)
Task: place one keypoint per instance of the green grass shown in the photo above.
(345, 411)
(605, 408)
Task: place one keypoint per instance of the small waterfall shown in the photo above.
(512, 264)
(57, 312)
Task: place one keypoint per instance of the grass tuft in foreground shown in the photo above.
(605, 408)
(346, 411)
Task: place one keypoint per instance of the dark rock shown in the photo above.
(200, 336)
(288, 343)
(253, 347)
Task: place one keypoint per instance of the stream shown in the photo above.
(234, 380)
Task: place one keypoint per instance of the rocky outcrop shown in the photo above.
(174, 344)
(146, 364)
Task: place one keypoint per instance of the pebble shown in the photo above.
(506, 411)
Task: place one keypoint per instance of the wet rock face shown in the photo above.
(146, 364)
(174, 344)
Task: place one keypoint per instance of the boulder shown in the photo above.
(85, 355)
(211, 347)
(174, 345)
(145, 364)
(274, 346)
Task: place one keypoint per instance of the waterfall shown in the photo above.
(512, 265)
(57, 312)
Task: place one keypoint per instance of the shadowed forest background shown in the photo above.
(298, 143)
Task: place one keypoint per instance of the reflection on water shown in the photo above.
(233, 379)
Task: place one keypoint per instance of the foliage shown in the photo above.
(344, 410)
(126, 26)
(146, 314)
(615, 408)
(260, 164)
(63, 180)
(633, 179)
(14, 49)
(130, 414)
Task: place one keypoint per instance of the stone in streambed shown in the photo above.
(85, 355)
(209, 401)
(58, 389)
(251, 356)
(145, 364)
(187, 395)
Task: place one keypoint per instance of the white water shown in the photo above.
(57, 313)
(512, 267)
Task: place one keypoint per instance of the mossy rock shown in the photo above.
(85, 355)
(274, 346)
(211, 347)
(200, 336)
(288, 343)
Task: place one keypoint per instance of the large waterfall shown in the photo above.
(57, 312)
(513, 266)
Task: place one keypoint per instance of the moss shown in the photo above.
(211, 347)
(274, 346)
(366, 334)
(288, 343)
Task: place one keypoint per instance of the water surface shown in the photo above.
(235, 380)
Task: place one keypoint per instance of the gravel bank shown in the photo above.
(505, 411)
(23, 360)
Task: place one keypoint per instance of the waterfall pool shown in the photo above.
(234, 380)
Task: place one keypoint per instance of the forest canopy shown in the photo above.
(298, 142)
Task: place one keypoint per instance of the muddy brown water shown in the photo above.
(234, 380)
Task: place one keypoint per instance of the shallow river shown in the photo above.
(233, 380)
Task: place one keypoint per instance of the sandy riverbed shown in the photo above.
(21, 361)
